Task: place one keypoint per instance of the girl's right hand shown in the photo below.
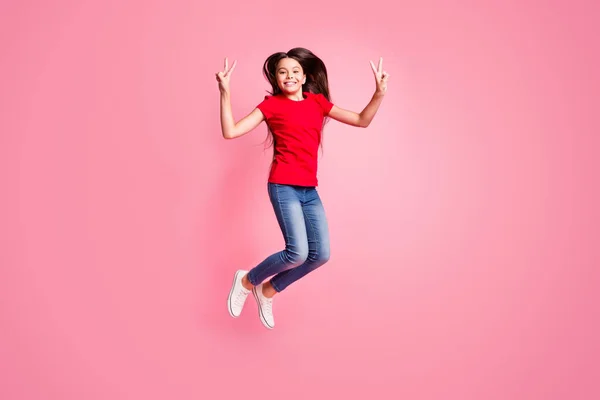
(224, 76)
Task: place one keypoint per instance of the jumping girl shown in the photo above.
(294, 113)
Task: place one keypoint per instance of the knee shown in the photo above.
(324, 255)
(297, 256)
(321, 256)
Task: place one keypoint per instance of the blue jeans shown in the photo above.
(301, 217)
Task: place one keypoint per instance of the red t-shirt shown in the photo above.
(296, 128)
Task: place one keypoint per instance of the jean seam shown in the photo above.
(282, 215)
(317, 238)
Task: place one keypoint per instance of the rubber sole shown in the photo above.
(235, 277)
(260, 314)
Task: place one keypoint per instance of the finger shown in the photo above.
(373, 66)
(231, 69)
(380, 64)
(225, 69)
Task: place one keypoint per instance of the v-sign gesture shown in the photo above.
(364, 118)
(224, 76)
(381, 77)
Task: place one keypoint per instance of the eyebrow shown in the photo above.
(285, 68)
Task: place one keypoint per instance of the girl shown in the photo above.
(295, 114)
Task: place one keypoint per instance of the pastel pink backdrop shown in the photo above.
(464, 220)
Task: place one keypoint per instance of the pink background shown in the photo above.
(464, 220)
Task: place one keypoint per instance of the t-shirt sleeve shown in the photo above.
(266, 107)
(325, 104)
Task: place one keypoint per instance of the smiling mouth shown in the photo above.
(289, 84)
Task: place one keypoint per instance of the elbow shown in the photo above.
(228, 135)
(362, 122)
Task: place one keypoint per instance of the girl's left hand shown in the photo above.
(381, 77)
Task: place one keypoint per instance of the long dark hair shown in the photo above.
(312, 66)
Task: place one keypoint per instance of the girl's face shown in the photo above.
(290, 76)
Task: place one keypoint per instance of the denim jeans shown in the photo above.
(302, 220)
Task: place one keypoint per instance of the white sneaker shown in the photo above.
(265, 307)
(237, 294)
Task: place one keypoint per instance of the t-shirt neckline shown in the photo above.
(304, 98)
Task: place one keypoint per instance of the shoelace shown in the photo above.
(239, 299)
(268, 303)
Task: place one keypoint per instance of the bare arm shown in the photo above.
(229, 128)
(364, 118)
